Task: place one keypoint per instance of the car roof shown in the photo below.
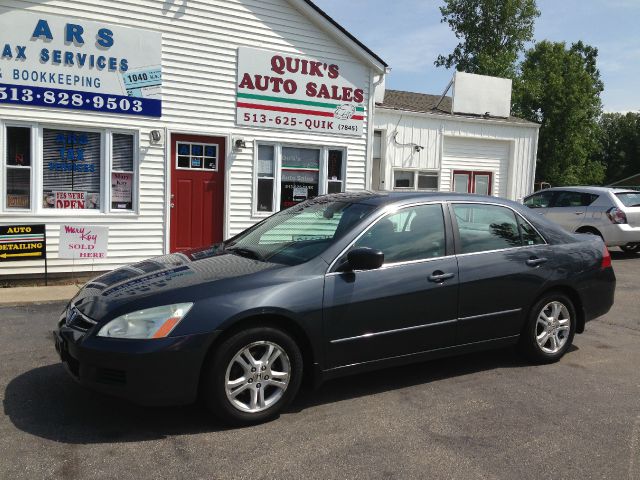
(401, 198)
(587, 189)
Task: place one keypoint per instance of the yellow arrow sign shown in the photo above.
(28, 254)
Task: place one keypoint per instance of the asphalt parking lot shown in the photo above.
(487, 415)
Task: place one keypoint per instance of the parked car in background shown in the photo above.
(335, 285)
(611, 213)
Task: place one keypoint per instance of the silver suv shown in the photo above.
(611, 213)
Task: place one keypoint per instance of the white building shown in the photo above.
(174, 124)
(422, 143)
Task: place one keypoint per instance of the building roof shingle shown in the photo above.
(425, 103)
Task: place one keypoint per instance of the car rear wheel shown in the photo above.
(550, 329)
(252, 376)
(631, 248)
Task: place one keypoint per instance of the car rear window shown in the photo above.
(629, 199)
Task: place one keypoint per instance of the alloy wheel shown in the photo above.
(553, 327)
(257, 377)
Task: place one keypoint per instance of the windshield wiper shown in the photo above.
(245, 252)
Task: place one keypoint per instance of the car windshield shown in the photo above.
(300, 233)
(629, 199)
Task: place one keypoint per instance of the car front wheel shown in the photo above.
(252, 376)
(550, 329)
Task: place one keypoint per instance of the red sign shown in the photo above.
(70, 200)
(284, 91)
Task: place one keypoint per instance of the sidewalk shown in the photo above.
(27, 295)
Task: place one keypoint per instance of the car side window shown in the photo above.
(414, 233)
(569, 199)
(486, 227)
(529, 234)
(539, 200)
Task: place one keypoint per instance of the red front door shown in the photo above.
(197, 191)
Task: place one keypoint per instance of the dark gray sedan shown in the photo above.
(333, 286)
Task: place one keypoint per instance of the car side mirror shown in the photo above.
(364, 258)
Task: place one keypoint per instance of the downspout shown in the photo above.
(370, 127)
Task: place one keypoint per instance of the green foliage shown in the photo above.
(620, 145)
(492, 34)
(560, 88)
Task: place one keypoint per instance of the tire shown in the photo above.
(266, 381)
(532, 342)
(631, 248)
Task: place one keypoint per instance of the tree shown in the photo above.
(560, 88)
(492, 34)
(620, 145)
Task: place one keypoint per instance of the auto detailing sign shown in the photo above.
(58, 62)
(83, 241)
(283, 91)
(22, 242)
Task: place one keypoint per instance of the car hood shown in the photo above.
(174, 278)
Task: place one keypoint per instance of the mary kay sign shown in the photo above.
(62, 62)
(83, 241)
(278, 90)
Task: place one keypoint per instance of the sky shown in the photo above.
(408, 35)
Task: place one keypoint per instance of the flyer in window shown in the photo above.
(121, 191)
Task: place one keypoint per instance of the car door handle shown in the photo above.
(439, 277)
(579, 213)
(534, 261)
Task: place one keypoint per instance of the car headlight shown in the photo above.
(157, 322)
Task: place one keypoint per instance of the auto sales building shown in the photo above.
(174, 124)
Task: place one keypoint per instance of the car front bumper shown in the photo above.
(148, 372)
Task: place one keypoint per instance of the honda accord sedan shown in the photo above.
(333, 286)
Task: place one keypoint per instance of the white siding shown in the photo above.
(199, 53)
(434, 132)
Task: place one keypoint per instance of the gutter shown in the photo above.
(459, 118)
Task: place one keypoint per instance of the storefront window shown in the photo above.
(300, 175)
(71, 169)
(295, 174)
(18, 167)
(122, 178)
(266, 177)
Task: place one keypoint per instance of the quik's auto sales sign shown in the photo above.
(59, 62)
(283, 91)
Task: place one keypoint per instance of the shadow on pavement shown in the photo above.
(47, 403)
(620, 255)
(407, 376)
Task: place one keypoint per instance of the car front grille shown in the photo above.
(78, 321)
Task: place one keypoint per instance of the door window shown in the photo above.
(481, 184)
(415, 233)
(539, 200)
(486, 227)
(570, 199)
(529, 234)
(461, 183)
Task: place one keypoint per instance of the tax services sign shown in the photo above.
(57, 62)
(284, 91)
